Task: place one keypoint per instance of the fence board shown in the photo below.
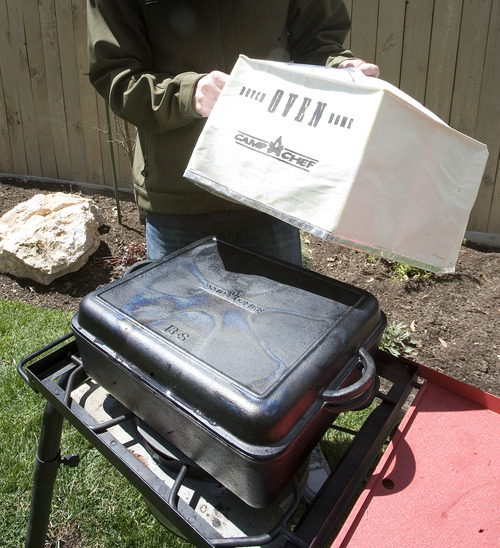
(6, 162)
(364, 15)
(12, 106)
(485, 216)
(23, 83)
(469, 72)
(390, 39)
(416, 47)
(88, 103)
(39, 88)
(71, 91)
(55, 92)
(443, 54)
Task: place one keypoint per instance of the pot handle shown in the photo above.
(359, 394)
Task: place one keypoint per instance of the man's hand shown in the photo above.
(207, 92)
(368, 69)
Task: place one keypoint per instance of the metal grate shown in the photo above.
(189, 505)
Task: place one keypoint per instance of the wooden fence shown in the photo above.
(444, 53)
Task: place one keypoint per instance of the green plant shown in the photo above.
(126, 141)
(404, 272)
(306, 254)
(113, 163)
(398, 341)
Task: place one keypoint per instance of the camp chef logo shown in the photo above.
(302, 110)
(275, 150)
(233, 296)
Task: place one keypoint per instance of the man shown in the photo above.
(162, 65)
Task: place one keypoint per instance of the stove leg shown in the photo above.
(47, 463)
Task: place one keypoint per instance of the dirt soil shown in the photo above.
(451, 319)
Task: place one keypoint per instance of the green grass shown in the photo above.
(93, 504)
(335, 442)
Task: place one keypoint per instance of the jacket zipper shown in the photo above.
(144, 172)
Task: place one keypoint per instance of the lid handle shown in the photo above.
(137, 266)
(358, 394)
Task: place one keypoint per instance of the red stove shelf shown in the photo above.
(438, 483)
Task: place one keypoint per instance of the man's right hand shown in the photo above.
(208, 90)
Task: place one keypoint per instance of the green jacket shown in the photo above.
(146, 57)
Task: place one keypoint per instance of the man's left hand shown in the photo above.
(368, 69)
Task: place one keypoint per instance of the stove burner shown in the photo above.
(165, 454)
(168, 456)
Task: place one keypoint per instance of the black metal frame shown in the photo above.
(56, 374)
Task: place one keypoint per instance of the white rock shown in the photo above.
(48, 236)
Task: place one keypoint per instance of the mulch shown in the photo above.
(453, 319)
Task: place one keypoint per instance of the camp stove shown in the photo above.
(181, 495)
(207, 378)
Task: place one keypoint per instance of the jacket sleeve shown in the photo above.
(121, 69)
(317, 30)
